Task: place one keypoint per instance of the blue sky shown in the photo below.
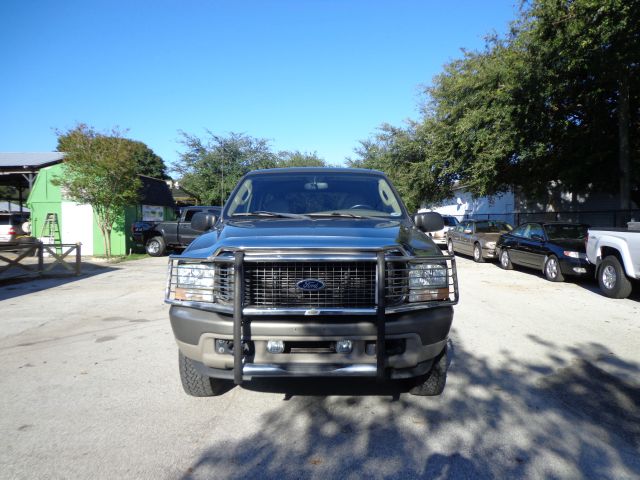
(309, 75)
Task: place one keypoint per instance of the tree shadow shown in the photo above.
(505, 420)
(16, 286)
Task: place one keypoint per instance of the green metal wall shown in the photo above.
(45, 197)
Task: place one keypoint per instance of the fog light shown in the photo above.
(275, 346)
(344, 346)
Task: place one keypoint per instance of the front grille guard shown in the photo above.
(390, 294)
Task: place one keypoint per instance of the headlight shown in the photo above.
(571, 254)
(491, 245)
(428, 281)
(192, 282)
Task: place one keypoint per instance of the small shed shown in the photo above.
(56, 219)
(19, 170)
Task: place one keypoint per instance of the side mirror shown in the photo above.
(429, 221)
(203, 221)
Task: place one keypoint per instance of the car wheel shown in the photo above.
(477, 253)
(505, 260)
(432, 383)
(198, 385)
(612, 279)
(552, 270)
(156, 247)
(450, 247)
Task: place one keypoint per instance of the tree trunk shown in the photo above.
(107, 247)
(108, 239)
(624, 155)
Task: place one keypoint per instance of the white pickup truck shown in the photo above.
(616, 254)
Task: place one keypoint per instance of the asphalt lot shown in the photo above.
(543, 383)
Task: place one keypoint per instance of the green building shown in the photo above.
(56, 219)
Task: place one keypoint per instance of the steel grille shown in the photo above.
(223, 283)
(347, 284)
(397, 283)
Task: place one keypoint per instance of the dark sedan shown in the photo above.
(557, 249)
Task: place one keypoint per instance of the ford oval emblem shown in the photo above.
(310, 285)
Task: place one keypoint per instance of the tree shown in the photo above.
(99, 170)
(211, 167)
(299, 159)
(147, 162)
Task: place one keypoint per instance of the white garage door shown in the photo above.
(77, 225)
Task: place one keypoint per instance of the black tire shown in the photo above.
(433, 383)
(612, 278)
(155, 247)
(504, 260)
(552, 270)
(477, 253)
(450, 247)
(198, 385)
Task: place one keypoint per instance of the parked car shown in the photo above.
(615, 252)
(11, 230)
(299, 278)
(158, 237)
(477, 238)
(557, 249)
(440, 236)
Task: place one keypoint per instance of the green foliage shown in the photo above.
(146, 161)
(211, 167)
(543, 106)
(299, 159)
(99, 171)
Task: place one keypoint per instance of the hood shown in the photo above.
(331, 233)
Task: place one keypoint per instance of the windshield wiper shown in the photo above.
(344, 214)
(264, 213)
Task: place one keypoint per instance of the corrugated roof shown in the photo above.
(29, 159)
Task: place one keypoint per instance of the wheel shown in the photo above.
(552, 270)
(156, 247)
(612, 279)
(433, 383)
(505, 260)
(198, 385)
(477, 253)
(450, 247)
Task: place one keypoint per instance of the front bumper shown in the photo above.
(413, 340)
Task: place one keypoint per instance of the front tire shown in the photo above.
(612, 279)
(450, 247)
(552, 270)
(198, 385)
(505, 260)
(477, 253)
(433, 383)
(156, 247)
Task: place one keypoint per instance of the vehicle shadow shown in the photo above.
(16, 286)
(512, 420)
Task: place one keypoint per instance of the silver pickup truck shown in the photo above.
(616, 254)
(312, 272)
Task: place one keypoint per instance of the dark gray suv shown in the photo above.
(312, 272)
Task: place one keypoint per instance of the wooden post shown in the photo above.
(40, 258)
(78, 258)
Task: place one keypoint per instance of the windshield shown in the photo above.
(315, 194)
(554, 232)
(493, 227)
(450, 221)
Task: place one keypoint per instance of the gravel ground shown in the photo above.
(543, 383)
